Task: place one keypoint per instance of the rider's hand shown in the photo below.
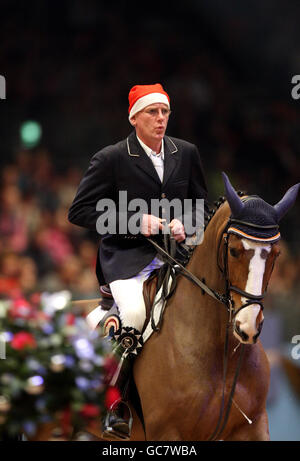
(151, 225)
(177, 230)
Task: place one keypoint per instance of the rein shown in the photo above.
(183, 271)
(226, 300)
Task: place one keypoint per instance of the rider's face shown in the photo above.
(151, 123)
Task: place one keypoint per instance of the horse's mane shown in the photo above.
(217, 203)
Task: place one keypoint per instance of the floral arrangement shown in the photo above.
(53, 367)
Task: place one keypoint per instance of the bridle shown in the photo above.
(223, 298)
(250, 298)
(227, 301)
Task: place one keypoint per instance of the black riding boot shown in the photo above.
(118, 422)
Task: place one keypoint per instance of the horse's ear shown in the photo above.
(235, 203)
(287, 201)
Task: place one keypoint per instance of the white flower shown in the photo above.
(84, 349)
(55, 301)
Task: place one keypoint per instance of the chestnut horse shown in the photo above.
(180, 372)
(205, 375)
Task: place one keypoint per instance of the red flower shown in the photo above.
(90, 411)
(112, 395)
(22, 309)
(22, 340)
(70, 319)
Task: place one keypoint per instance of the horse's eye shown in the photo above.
(234, 252)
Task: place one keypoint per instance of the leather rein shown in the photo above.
(224, 299)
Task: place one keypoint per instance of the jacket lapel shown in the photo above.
(171, 159)
(140, 158)
(142, 161)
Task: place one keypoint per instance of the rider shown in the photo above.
(147, 165)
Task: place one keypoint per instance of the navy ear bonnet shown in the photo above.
(255, 219)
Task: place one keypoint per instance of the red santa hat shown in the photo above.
(141, 96)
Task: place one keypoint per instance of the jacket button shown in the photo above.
(163, 195)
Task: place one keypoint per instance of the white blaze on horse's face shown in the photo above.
(251, 316)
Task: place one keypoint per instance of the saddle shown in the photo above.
(161, 281)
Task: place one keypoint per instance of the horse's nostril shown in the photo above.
(241, 333)
(258, 331)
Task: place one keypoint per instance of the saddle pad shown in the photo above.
(109, 320)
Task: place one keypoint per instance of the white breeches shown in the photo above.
(128, 295)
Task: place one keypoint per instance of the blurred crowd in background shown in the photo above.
(69, 65)
(39, 249)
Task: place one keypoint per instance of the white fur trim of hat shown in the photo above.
(146, 100)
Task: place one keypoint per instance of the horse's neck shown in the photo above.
(204, 262)
(203, 265)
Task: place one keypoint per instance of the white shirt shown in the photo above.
(157, 159)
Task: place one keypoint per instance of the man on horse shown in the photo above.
(147, 165)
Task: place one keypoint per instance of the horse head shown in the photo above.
(250, 250)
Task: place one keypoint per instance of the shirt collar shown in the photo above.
(150, 151)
